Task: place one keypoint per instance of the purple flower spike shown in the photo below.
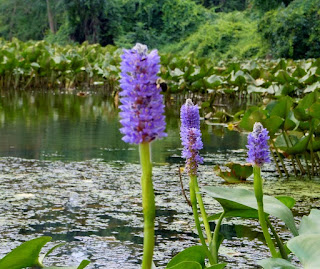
(191, 136)
(259, 152)
(142, 105)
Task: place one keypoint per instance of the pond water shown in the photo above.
(65, 172)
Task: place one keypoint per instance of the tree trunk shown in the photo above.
(50, 18)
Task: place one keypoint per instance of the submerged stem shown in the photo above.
(148, 205)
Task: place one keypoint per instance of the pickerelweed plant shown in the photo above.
(191, 140)
(142, 122)
(258, 155)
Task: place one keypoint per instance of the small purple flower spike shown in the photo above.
(191, 136)
(259, 152)
(142, 104)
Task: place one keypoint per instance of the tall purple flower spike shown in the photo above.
(259, 152)
(191, 136)
(142, 105)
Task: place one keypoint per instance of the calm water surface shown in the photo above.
(66, 173)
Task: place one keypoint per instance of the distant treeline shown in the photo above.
(219, 29)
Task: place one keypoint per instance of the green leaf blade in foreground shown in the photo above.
(310, 224)
(237, 198)
(192, 254)
(307, 248)
(276, 263)
(25, 255)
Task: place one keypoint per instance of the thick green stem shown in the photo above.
(148, 205)
(215, 240)
(258, 191)
(193, 200)
(202, 210)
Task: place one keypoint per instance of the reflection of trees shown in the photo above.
(55, 125)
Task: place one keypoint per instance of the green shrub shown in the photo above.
(228, 35)
(293, 31)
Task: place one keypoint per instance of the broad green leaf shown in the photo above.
(238, 172)
(310, 224)
(282, 107)
(25, 255)
(272, 124)
(299, 147)
(314, 110)
(286, 200)
(192, 254)
(252, 115)
(276, 263)
(187, 265)
(290, 122)
(237, 198)
(251, 213)
(307, 248)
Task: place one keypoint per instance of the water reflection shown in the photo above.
(64, 126)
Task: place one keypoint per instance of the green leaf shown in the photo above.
(282, 107)
(286, 200)
(310, 224)
(272, 124)
(25, 255)
(187, 265)
(236, 199)
(238, 172)
(298, 148)
(307, 248)
(252, 115)
(192, 254)
(276, 263)
(314, 110)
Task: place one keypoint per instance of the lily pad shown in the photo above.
(238, 172)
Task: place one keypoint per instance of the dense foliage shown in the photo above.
(217, 28)
(293, 31)
(45, 65)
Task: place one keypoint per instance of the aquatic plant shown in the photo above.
(258, 154)
(143, 121)
(191, 136)
(142, 104)
(28, 255)
(192, 143)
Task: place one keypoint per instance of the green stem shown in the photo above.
(279, 241)
(148, 205)
(214, 243)
(258, 191)
(193, 200)
(281, 160)
(292, 157)
(276, 162)
(202, 210)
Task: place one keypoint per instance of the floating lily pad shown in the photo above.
(237, 172)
